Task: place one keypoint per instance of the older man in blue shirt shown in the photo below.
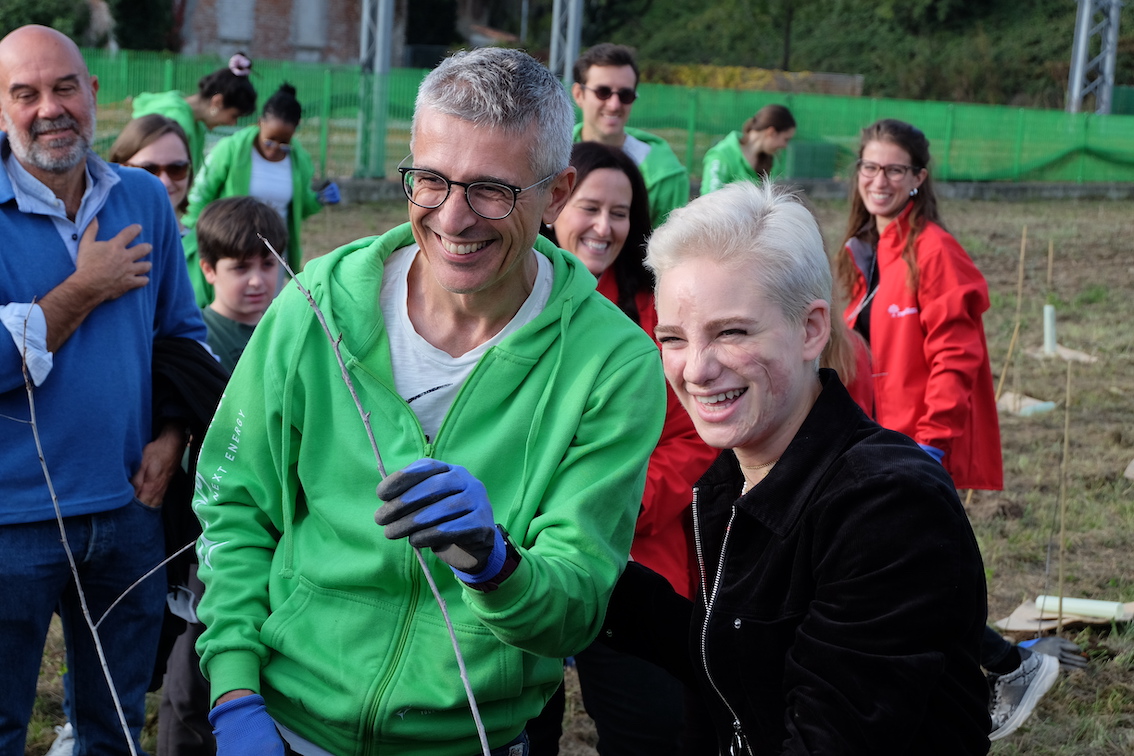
(90, 275)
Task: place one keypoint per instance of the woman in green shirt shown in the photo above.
(747, 155)
(222, 97)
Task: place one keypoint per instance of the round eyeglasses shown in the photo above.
(893, 171)
(491, 200)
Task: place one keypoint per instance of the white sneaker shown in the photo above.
(1016, 693)
(64, 740)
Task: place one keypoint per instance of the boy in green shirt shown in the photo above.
(246, 277)
(244, 274)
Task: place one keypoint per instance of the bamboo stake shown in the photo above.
(1019, 310)
(1063, 492)
(67, 546)
(382, 471)
(1050, 261)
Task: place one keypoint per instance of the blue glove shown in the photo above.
(329, 194)
(445, 508)
(933, 451)
(242, 727)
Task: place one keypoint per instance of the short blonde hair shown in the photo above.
(764, 228)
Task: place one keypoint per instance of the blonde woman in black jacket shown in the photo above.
(842, 595)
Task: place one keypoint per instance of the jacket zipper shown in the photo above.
(738, 738)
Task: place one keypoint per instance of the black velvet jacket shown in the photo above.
(842, 599)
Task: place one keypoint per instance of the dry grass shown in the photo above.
(1090, 712)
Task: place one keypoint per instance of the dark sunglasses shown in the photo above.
(625, 96)
(176, 171)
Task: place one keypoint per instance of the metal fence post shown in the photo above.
(167, 76)
(325, 123)
(691, 141)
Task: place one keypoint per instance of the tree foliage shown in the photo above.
(143, 24)
(987, 51)
(72, 17)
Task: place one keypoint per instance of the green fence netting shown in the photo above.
(968, 142)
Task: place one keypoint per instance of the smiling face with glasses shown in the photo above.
(606, 99)
(480, 243)
(886, 180)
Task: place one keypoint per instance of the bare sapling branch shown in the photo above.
(67, 545)
(138, 582)
(335, 340)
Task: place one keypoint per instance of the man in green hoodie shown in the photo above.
(606, 85)
(518, 407)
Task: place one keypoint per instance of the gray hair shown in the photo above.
(764, 228)
(508, 90)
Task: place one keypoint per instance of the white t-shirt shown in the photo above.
(429, 378)
(271, 182)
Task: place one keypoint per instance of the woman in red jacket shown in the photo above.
(917, 298)
(637, 707)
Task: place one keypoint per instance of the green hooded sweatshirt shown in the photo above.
(228, 173)
(725, 163)
(173, 105)
(310, 605)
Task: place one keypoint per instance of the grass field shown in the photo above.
(1092, 287)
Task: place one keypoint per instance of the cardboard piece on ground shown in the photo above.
(1063, 353)
(1028, 618)
(1022, 405)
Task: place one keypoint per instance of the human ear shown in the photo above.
(816, 329)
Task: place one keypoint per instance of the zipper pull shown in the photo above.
(738, 746)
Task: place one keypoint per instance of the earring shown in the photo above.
(913, 192)
(213, 112)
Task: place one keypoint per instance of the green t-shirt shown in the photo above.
(226, 337)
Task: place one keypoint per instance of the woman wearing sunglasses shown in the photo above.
(264, 162)
(747, 155)
(158, 145)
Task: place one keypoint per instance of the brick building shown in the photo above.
(301, 30)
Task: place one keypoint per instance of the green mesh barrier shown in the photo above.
(968, 142)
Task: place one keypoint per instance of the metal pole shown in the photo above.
(566, 26)
(374, 58)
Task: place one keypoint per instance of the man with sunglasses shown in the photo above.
(606, 85)
(90, 276)
(516, 409)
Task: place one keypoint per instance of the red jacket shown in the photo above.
(932, 378)
(663, 537)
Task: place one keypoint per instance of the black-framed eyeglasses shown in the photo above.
(893, 171)
(177, 170)
(491, 200)
(272, 144)
(625, 96)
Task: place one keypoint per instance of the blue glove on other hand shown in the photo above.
(933, 451)
(329, 194)
(445, 508)
(243, 727)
